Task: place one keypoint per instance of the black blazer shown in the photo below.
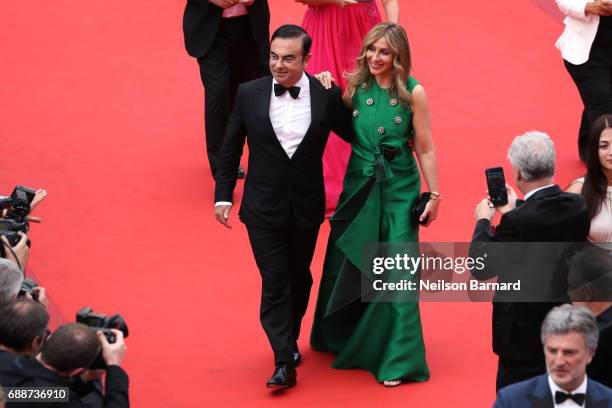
(549, 215)
(201, 21)
(277, 186)
(536, 393)
(20, 371)
(600, 369)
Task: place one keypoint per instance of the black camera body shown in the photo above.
(102, 323)
(18, 206)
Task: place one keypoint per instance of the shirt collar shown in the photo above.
(303, 83)
(582, 388)
(532, 192)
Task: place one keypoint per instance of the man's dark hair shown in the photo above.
(70, 347)
(21, 321)
(294, 31)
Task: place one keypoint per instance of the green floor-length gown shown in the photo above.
(384, 338)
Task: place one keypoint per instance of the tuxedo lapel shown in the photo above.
(263, 114)
(316, 111)
(540, 396)
(593, 400)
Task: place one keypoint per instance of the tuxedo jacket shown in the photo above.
(579, 33)
(549, 215)
(201, 21)
(536, 393)
(276, 186)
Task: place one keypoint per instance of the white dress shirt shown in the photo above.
(568, 403)
(290, 118)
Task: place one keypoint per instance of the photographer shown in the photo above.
(23, 327)
(64, 361)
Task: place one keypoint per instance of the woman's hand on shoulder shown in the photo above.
(326, 79)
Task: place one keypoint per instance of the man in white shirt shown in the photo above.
(569, 336)
(286, 119)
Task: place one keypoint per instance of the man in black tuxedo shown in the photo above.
(287, 118)
(547, 215)
(569, 336)
(230, 40)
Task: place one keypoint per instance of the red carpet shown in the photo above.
(102, 107)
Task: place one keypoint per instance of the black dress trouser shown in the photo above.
(233, 58)
(283, 256)
(594, 82)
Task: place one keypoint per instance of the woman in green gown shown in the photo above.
(382, 182)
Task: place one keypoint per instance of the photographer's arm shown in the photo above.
(117, 381)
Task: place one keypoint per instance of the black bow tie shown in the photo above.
(294, 91)
(562, 396)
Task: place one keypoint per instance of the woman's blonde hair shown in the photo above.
(398, 44)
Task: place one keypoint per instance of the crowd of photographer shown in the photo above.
(76, 356)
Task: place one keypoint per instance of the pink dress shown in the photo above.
(337, 34)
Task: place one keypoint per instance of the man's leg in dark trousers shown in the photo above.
(512, 371)
(283, 256)
(232, 59)
(594, 82)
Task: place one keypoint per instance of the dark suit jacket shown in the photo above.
(600, 368)
(535, 393)
(277, 186)
(549, 215)
(201, 21)
(19, 371)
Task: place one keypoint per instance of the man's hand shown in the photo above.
(246, 2)
(40, 295)
(484, 209)
(113, 353)
(222, 214)
(511, 205)
(21, 250)
(224, 3)
(599, 7)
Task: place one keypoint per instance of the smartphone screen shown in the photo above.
(496, 183)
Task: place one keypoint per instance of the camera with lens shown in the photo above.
(104, 324)
(27, 288)
(18, 206)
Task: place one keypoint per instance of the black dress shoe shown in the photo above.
(284, 376)
(297, 358)
(241, 173)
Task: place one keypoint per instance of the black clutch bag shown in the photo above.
(419, 207)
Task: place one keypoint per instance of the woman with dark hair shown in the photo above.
(381, 186)
(596, 185)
